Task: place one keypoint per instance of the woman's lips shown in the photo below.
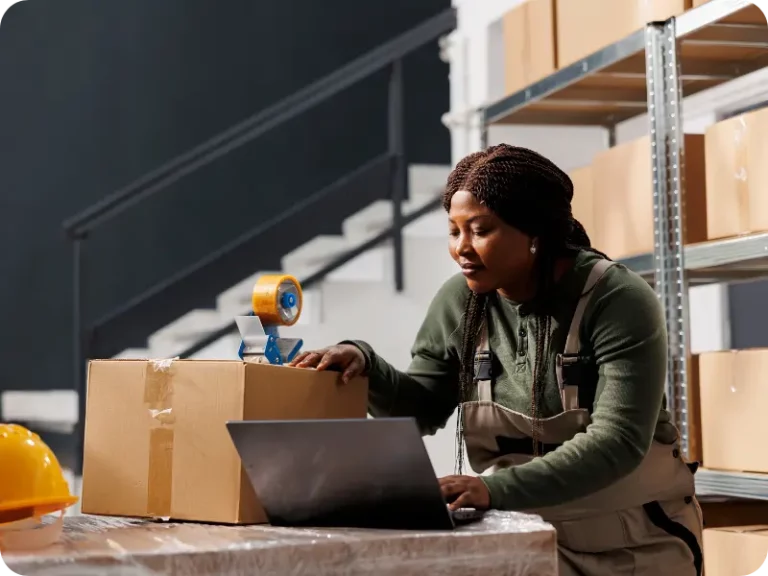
(470, 269)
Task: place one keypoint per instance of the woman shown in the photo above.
(556, 359)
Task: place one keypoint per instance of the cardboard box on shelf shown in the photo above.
(737, 175)
(735, 551)
(156, 443)
(529, 44)
(586, 26)
(623, 188)
(583, 203)
(733, 393)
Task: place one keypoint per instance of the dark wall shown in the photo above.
(95, 93)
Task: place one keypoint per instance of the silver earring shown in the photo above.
(533, 248)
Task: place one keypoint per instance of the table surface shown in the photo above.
(504, 543)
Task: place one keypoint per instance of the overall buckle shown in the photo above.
(483, 366)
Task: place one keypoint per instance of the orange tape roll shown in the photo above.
(277, 299)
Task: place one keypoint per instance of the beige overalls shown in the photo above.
(647, 523)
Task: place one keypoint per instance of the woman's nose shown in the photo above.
(463, 245)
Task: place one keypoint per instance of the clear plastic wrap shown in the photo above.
(503, 544)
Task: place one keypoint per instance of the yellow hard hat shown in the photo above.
(31, 481)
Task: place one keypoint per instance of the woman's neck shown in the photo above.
(526, 292)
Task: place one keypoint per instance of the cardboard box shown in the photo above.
(737, 175)
(733, 393)
(156, 444)
(586, 26)
(583, 202)
(735, 551)
(529, 44)
(623, 188)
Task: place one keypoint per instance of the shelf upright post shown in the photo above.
(668, 161)
(483, 133)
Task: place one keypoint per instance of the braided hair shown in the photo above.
(530, 193)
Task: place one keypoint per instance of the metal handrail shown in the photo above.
(288, 108)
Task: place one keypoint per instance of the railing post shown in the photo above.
(399, 175)
(79, 353)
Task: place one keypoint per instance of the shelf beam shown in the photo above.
(734, 259)
(733, 484)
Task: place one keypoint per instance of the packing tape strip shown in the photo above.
(158, 397)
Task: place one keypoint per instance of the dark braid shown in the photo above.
(474, 316)
(529, 192)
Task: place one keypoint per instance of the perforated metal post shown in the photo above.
(668, 161)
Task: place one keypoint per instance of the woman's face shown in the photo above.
(492, 254)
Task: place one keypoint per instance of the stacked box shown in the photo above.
(623, 197)
(529, 44)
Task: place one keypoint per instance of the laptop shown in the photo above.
(367, 473)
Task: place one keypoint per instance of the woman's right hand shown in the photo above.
(347, 359)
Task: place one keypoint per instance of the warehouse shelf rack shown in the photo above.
(649, 72)
(720, 41)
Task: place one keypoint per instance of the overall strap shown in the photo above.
(483, 365)
(570, 355)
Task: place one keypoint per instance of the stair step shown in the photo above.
(427, 179)
(431, 225)
(315, 254)
(378, 217)
(367, 267)
(45, 406)
(223, 349)
(189, 328)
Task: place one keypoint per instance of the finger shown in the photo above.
(310, 360)
(331, 358)
(451, 491)
(354, 369)
(448, 479)
(463, 501)
(298, 358)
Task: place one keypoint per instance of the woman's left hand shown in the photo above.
(465, 492)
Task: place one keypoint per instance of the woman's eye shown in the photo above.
(479, 231)
(453, 233)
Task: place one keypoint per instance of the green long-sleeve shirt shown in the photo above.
(623, 327)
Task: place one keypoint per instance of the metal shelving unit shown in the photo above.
(650, 71)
